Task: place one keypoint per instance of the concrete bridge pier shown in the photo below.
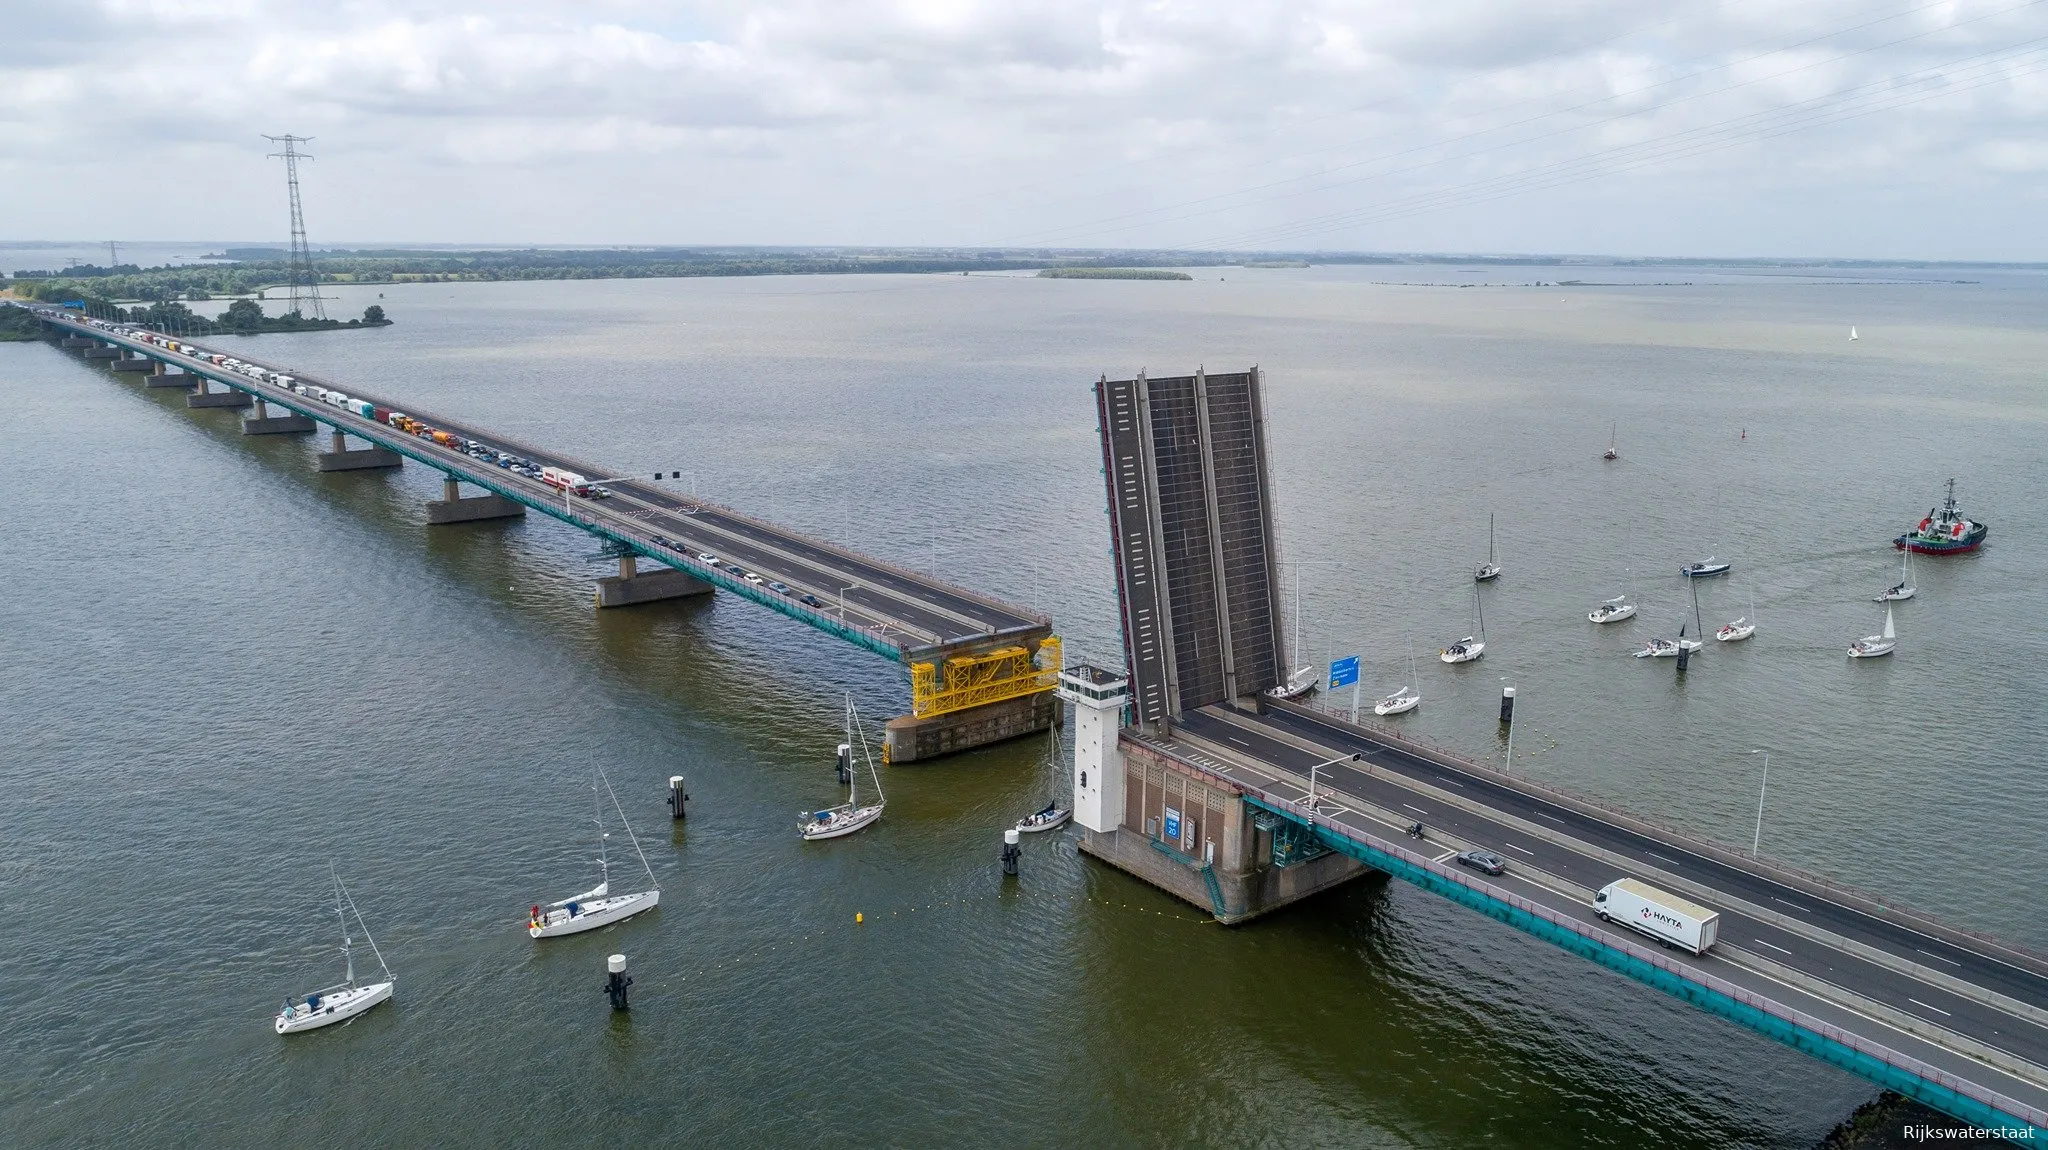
(259, 421)
(102, 351)
(74, 343)
(629, 587)
(229, 397)
(135, 363)
(172, 379)
(339, 458)
(908, 739)
(452, 507)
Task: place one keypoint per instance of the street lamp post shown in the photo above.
(1310, 800)
(1508, 767)
(1756, 841)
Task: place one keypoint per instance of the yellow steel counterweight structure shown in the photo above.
(991, 677)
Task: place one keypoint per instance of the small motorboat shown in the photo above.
(1736, 631)
(1873, 646)
(1613, 611)
(1052, 817)
(345, 999)
(1402, 701)
(1705, 570)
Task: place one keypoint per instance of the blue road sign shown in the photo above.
(1172, 825)
(1343, 672)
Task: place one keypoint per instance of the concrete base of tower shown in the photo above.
(908, 739)
(1232, 896)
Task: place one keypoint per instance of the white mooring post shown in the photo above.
(1098, 698)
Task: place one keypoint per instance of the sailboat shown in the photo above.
(1404, 699)
(1853, 337)
(849, 816)
(1468, 648)
(1741, 628)
(1489, 569)
(1611, 453)
(597, 906)
(1871, 646)
(345, 999)
(1306, 677)
(1052, 815)
(1904, 588)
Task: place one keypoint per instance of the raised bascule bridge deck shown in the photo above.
(980, 669)
(1191, 775)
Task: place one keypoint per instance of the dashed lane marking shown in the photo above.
(1793, 905)
(1524, 850)
(1938, 958)
(1779, 949)
(1416, 809)
(1547, 815)
(1935, 1009)
(1446, 855)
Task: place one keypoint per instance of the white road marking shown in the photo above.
(1661, 858)
(1238, 741)
(1779, 949)
(1793, 905)
(1935, 1009)
(1445, 855)
(1416, 809)
(1524, 850)
(1938, 958)
(1452, 783)
(1547, 815)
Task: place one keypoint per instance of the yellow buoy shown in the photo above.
(857, 917)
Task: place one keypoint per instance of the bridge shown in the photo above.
(980, 669)
(1192, 775)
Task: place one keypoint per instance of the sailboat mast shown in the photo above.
(1489, 539)
(348, 958)
(1297, 608)
(604, 862)
(1479, 601)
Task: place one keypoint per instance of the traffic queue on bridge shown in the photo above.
(560, 478)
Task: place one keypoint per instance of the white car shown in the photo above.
(708, 559)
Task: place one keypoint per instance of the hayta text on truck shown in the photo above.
(1663, 916)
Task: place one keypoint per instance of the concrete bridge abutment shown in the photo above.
(102, 351)
(453, 507)
(75, 343)
(338, 457)
(137, 363)
(205, 397)
(259, 421)
(630, 588)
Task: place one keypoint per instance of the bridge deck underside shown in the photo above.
(1964, 1011)
(889, 609)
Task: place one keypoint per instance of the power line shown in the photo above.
(305, 283)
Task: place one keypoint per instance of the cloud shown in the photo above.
(1581, 125)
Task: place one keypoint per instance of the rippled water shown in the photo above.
(219, 670)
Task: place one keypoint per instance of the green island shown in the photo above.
(1112, 274)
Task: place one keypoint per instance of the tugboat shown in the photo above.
(1945, 531)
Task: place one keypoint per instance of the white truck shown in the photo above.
(1665, 917)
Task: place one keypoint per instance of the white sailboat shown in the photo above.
(1612, 453)
(1904, 588)
(1404, 699)
(597, 906)
(345, 999)
(1853, 337)
(850, 815)
(1741, 628)
(1872, 646)
(1052, 816)
(1491, 568)
(1468, 648)
(1308, 676)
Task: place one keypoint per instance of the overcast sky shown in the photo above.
(1740, 127)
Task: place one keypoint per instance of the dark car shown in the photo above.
(1485, 861)
(811, 601)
